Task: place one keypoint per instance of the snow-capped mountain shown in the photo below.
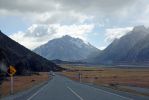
(66, 48)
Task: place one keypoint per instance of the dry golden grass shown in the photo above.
(23, 82)
(109, 76)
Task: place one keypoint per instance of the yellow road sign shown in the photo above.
(11, 70)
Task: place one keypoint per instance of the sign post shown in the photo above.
(11, 71)
(11, 85)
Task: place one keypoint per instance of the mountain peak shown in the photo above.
(139, 28)
(72, 39)
(66, 37)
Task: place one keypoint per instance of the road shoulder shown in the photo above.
(24, 95)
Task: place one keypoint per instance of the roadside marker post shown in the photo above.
(11, 71)
(80, 76)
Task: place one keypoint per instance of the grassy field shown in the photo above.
(112, 77)
(23, 82)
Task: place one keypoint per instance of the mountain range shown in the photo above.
(24, 60)
(132, 48)
(66, 48)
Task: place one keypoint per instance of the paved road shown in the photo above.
(61, 88)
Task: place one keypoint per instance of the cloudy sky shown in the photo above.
(34, 22)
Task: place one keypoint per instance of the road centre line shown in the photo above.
(75, 93)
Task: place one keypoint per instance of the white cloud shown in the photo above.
(113, 33)
(74, 30)
(37, 35)
(68, 17)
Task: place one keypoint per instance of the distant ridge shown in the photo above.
(57, 61)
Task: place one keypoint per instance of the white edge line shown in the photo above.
(36, 93)
(111, 93)
(75, 93)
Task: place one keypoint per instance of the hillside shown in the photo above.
(132, 48)
(12, 53)
(140, 52)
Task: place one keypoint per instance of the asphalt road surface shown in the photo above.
(61, 88)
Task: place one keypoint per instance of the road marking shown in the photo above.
(75, 93)
(36, 92)
(111, 93)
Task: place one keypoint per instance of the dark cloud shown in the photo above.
(73, 11)
(96, 5)
(77, 5)
(27, 5)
